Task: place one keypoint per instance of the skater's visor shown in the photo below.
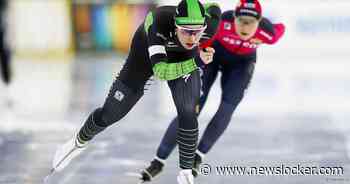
(189, 31)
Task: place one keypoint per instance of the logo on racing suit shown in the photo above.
(232, 41)
(227, 26)
(119, 96)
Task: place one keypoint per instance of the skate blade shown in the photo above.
(63, 159)
(135, 175)
(46, 179)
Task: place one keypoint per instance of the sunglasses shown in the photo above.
(191, 31)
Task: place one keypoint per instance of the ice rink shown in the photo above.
(296, 111)
(287, 117)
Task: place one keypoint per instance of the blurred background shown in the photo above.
(66, 53)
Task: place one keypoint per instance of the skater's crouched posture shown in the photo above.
(166, 46)
(239, 34)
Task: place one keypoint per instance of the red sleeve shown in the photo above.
(278, 30)
(207, 43)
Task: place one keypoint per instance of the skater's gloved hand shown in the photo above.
(207, 54)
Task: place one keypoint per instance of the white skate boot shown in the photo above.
(185, 177)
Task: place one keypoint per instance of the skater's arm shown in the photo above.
(171, 71)
(279, 32)
(212, 10)
(227, 16)
(213, 14)
(270, 33)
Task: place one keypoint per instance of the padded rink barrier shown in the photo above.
(106, 26)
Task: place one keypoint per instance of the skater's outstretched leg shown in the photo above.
(126, 90)
(234, 83)
(118, 103)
